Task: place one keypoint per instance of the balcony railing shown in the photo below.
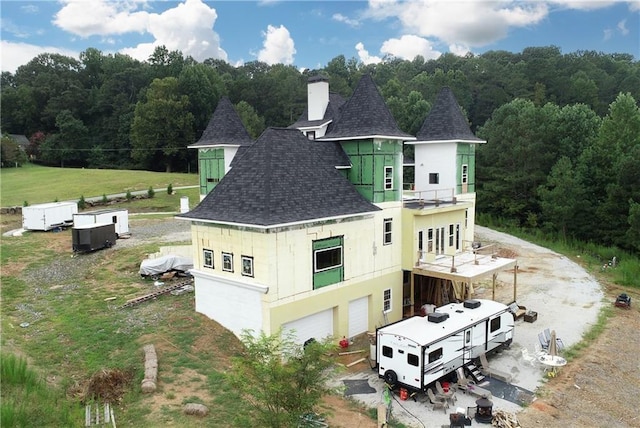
(429, 197)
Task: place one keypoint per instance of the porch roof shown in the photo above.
(469, 266)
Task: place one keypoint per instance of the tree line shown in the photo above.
(562, 129)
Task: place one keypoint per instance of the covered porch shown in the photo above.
(450, 278)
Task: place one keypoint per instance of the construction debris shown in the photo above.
(502, 419)
(155, 294)
(195, 409)
(150, 369)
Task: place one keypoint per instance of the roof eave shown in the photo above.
(279, 225)
(447, 141)
(362, 137)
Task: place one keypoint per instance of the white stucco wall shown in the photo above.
(435, 158)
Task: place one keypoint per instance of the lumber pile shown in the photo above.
(502, 419)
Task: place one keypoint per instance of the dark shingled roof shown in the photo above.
(332, 113)
(446, 121)
(282, 178)
(225, 127)
(365, 114)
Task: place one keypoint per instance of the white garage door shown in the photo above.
(317, 326)
(358, 316)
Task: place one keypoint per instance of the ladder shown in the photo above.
(475, 373)
(155, 294)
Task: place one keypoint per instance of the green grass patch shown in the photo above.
(39, 184)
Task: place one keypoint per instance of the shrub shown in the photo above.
(170, 189)
(129, 196)
(151, 193)
(25, 204)
(104, 198)
(82, 204)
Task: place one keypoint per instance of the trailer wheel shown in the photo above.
(391, 378)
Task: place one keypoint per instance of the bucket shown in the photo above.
(184, 204)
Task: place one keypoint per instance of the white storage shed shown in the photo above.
(48, 216)
(119, 217)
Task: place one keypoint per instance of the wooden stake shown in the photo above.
(356, 362)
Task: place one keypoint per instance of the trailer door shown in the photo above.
(467, 345)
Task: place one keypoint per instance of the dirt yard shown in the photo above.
(598, 388)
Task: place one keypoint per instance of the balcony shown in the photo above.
(418, 199)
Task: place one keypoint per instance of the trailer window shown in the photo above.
(435, 355)
(387, 352)
(495, 324)
(412, 359)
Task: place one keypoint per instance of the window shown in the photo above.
(458, 237)
(328, 258)
(328, 266)
(434, 178)
(430, 241)
(495, 325)
(412, 359)
(387, 231)
(207, 256)
(387, 351)
(465, 174)
(435, 355)
(452, 235)
(467, 337)
(227, 262)
(247, 266)
(388, 178)
(386, 301)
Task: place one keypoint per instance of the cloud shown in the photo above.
(583, 4)
(16, 54)
(408, 47)
(9, 27)
(188, 27)
(350, 22)
(622, 27)
(30, 8)
(278, 46)
(468, 23)
(364, 56)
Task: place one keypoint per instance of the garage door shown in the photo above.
(317, 326)
(358, 316)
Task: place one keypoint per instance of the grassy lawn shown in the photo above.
(77, 329)
(37, 184)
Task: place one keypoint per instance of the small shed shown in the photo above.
(48, 216)
(119, 217)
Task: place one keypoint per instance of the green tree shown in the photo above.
(162, 126)
(281, 380)
(562, 197)
(11, 155)
(250, 119)
(67, 146)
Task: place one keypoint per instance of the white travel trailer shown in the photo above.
(48, 216)
(417, 351)
(119, 217)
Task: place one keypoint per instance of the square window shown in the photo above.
(388, 178)
(387, 231)
(434, 178)
(227, 262)
(387, 351)
(386, 301)
(207, 256)
(247, 266)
